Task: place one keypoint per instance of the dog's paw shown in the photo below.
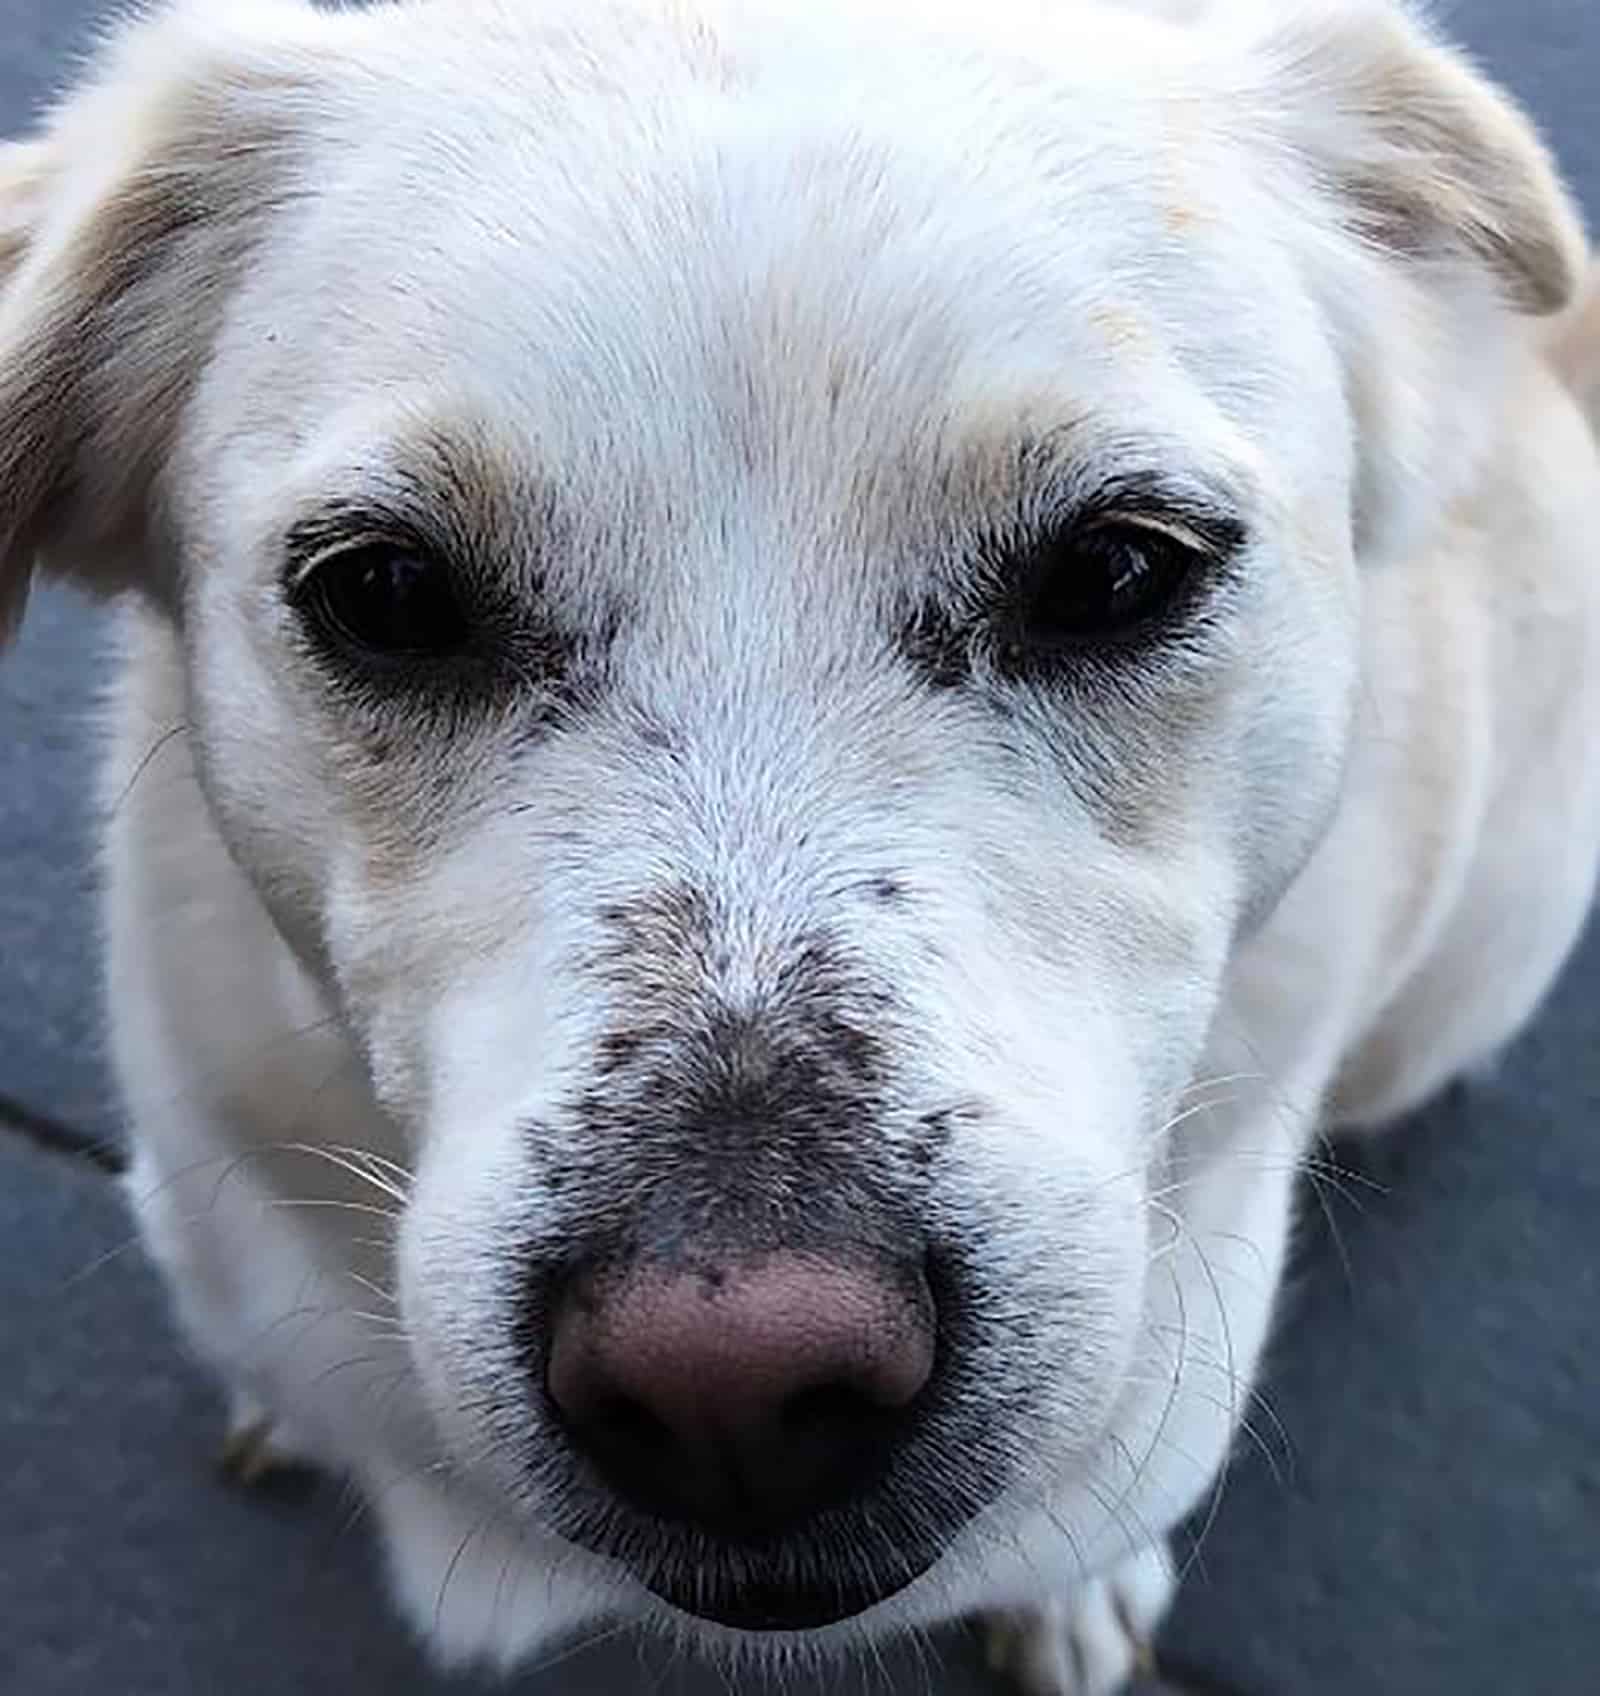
(259, 1447)
(1093, 1643)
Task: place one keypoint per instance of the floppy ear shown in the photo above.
(1448, 217)
(121, 229)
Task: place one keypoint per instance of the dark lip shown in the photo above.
(771, 1608)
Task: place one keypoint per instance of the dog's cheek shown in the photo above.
(259, 769)
(459, 1272)
(452, 975)
(1294, 699)
(1042, 1179)
(378, 871)
(1058, 1265)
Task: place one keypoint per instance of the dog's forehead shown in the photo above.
(671, 255)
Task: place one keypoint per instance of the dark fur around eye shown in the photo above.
(391, 614)
(1053, 597)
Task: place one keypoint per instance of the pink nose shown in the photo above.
(742, 1401)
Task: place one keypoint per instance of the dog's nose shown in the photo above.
(742, 1401)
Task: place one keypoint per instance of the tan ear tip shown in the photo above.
(1549, 245)
(1544, 275)
(1571, 271)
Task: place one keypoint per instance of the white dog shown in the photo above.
(807, 681)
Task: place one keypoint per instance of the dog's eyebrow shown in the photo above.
(1209, 513)
(1097, 467)
(1046, 476)
(441, 490)
(347, 523)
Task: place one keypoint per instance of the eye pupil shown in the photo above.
(1107, 582)
(385, 601)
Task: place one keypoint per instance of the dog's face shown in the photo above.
(764, 623)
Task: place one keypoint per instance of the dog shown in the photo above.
(803, 686)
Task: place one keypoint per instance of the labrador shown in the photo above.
(804, 684)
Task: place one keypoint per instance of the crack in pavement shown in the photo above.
(55, 1136)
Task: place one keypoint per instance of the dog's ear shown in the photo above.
(1428, 158)
(121, 229)
(1445, 210)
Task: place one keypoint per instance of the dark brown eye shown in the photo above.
(1111, 580)
(383, 601)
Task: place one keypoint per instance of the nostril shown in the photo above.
(836, 1435)
(828, 1404)
(627, 1442)
(620, 1422)
(843, 1414)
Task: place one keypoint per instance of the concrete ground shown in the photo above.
(1417, 1515)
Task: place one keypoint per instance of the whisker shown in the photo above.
(341, 1159)
(332, 1201)
(372, 1288)
(606, 1634)
(450, 1571)
(1220, 1078)
(167, 736)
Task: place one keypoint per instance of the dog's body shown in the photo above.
(734, 930)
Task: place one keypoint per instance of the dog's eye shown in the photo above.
(384, 600)
(1113, 579)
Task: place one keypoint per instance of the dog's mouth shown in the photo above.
(768, 1606)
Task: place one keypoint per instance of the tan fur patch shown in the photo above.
(108, 320)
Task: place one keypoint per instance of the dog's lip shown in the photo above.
(768, 1608)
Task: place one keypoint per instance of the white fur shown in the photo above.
(734, 279)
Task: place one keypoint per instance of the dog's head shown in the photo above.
(766, 593)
